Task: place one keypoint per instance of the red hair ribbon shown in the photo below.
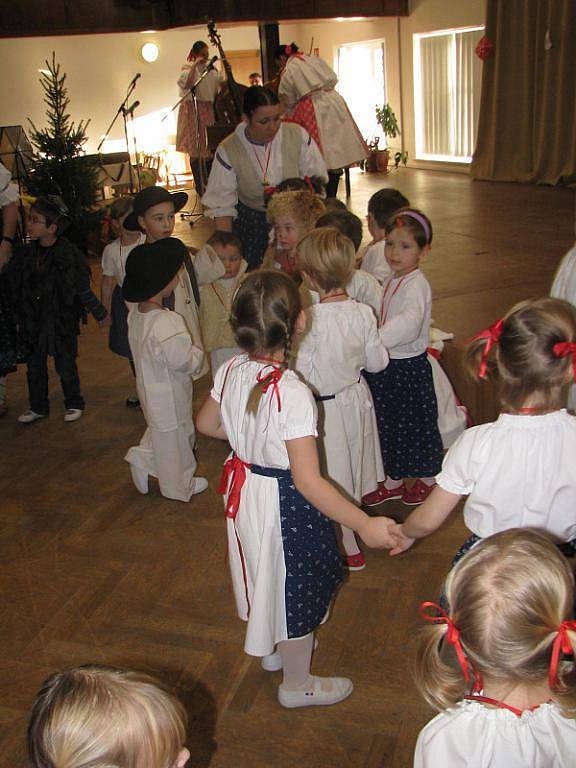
(190, 56)
(234, 468)
(564, 349)
(452, 637)
(309, 183)
(493, 334)
(271, 379)
(561, 643)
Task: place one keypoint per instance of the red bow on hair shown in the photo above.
(493, 335)
(565, 348)
(271, 379)
(561, 643)
(452, 637)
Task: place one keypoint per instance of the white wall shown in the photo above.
(99, 69)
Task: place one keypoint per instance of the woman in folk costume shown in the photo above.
(261, 153)
(307, 88)
(188, 139)
(165, 360)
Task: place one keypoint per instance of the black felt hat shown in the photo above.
(150, 267)
(149, 197)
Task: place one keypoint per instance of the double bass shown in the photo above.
(228, 103)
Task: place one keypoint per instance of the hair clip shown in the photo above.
(493, 334)
(561, 643)
(453, 638)
(564, 349)
(399, 222)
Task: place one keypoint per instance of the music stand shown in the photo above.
(17, 156)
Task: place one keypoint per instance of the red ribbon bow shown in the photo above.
(453, 637)
(561, 643)
(234, 468)
(271, 379)
(493, 334)
(564, 349)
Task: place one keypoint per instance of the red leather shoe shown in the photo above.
(417, 494)
(383, 494)
(354, 562)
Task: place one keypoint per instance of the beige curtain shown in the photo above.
(527, 127)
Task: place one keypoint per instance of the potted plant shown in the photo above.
(387, 121)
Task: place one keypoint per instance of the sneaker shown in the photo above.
(73, 414)
(417, 494)
(140, 479)
(199, 484)
(354, 562)
(132, 402)
(315, 697)
(383, 494)
(273, 662)
(29, 416)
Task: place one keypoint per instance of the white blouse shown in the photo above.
(518, 472)
(260, 438)
(472, 735)
(341, 341)
(405, 315)
(221, 196)
(114, 258)
(374, 261)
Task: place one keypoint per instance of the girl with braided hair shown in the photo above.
(282, 549)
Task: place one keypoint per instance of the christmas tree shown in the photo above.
(60, 168)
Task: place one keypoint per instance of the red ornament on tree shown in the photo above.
(484, 48)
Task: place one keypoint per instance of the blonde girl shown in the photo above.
(282, 548)
(101, 717)
(292, 214)
(341, 341)
(499, 666)
(518, 471)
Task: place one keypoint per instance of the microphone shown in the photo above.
(211, 63)
(132, 107)
(133, 83)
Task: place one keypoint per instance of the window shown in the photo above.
(362, 82)
(447, 80)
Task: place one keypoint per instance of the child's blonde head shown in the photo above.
(302, 206)
(528, 368)
(327, 256)
(101, 717)
(508, 598)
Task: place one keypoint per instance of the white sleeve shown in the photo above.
(376, 353)
(456, 474)
(298, 415)
(311, 160)
(220, 380)
(179, 352)
(8, 190)
(207, 265)
(221, 196)
(110, 267)
(405, 327)
(364, 287)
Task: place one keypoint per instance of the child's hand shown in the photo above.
(402, 542)
(107, 321)
(377, 533)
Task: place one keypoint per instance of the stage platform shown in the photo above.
(94, 572)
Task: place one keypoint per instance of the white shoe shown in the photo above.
(199, 484)
(340, 689)
(73, 414)
(273, 662)
(29, 416)
(140, 479)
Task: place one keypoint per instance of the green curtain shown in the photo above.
(527, 122)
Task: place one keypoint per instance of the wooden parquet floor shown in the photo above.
(94, 572)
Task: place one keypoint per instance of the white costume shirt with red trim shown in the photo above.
(405, 312)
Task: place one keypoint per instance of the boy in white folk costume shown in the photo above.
(166, 360)
(155, 214)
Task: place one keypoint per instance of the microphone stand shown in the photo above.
(122, 111)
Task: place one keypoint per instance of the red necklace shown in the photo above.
(501, 704)
(264, 168)
(149, 301)
(530, 411)
(383, 314)
(270, 360)
(333, 296)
